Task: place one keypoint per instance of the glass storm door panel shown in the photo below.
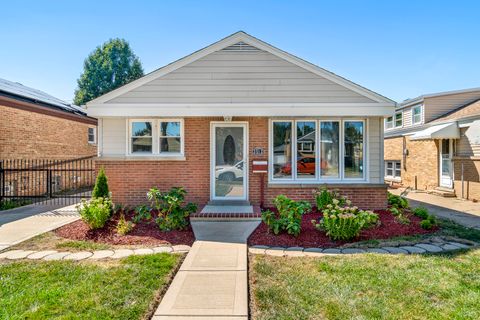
(446, 152)
(229, 162)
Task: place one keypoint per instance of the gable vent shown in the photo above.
(241, 46)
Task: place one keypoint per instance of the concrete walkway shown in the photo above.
(464, 212)
(212, 282)
(20, 224)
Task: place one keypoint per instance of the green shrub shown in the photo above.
(421, 212)
(289, 217)
(95, 212)
(397, 201)
(426, 224)
(101, 185)
(172, 215)
(395, 211)
(324, 197)
(11, 204)
(142, 213)
(344, 223)
(123, 226)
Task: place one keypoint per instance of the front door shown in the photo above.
(229, 165)
(446, 170)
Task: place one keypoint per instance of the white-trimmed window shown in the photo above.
(309, 151)
(398, 120)
(159, 137)
(141, 137)
(416, 114)
(393, 169)
(388, 123)
(92, 135)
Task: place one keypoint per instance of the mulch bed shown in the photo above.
(311, 237)
(144, 233)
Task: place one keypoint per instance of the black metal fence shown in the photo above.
(38, 180)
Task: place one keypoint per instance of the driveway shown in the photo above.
(20, 224)
(464, 212)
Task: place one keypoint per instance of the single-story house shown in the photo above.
(432, 143)
(242, 121)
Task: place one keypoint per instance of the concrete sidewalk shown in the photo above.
(212, 282)
(20, 224)
(464, 212)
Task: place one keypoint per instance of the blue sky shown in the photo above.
(400, 49)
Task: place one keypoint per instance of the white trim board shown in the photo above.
(231, 40)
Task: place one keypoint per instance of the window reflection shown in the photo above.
(282, 149)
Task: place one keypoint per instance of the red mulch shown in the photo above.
(144, 233)
(311, 237)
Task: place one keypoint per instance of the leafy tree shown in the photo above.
(108, 67)
(101, 185)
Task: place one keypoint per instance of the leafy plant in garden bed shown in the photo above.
(324, 197)
(289, 216)
(172, 214)
(344, 223)
(95, 212)
(429, 221)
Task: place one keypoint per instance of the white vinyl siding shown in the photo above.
(435, 107)
(114, 132)
(374, 147)
(240, 77)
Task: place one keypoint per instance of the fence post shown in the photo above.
(49, 183)
(2, 181)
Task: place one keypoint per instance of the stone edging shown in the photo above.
(418, 248)
(53, 255)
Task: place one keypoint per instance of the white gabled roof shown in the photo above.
(242, 39)
(440, 131)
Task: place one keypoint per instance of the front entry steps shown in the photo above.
(231, 212)
(444, 192)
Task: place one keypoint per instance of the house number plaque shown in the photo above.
(257, 151)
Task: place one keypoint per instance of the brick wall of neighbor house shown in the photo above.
(421, 161)
(471, 177)
(32, 135)
(130, 180)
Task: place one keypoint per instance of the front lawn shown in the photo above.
(366, 286)
(125, 289)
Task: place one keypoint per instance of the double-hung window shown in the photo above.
(389, 123)
(416, 114)
(158, 137)
(398, 120)
(91, 135)
(307, 151)
(393, 169)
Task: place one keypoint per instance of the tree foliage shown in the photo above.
(101, 185)
(108, 67)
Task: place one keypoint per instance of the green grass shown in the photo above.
(370, 286)
(123, 289)
(82, 245)
(450, 228)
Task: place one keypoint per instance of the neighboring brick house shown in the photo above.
(427, 140)
(35, 125)
(35, 128)
(212, 120)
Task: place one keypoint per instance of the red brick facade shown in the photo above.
(35, 135)
(129, 180)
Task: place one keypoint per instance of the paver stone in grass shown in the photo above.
(460, 245)
(4, 255)
(332, 251)
(181, 248)
(166, 249)
(429, 247)
(313, 252)
(275, 251)
(102, 254)
(121, 253)
(377, 250)
(40, 254)
(257, 249)
(352, 251)
(450, 247)
(142, 251)
(56, 256)
(395, 250)
(412, 249)
(22, 254)
(77, 256)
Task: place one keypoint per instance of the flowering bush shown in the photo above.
(95, 212)
(289, 215)
(324, 197)
(344, 223)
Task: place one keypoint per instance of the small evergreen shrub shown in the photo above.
(421, 212)
(289, 217)
(95, 212)
(426, 224)
(172, 214)
(344, 223)
(397, 201)
(124, 227)
(101, 185)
